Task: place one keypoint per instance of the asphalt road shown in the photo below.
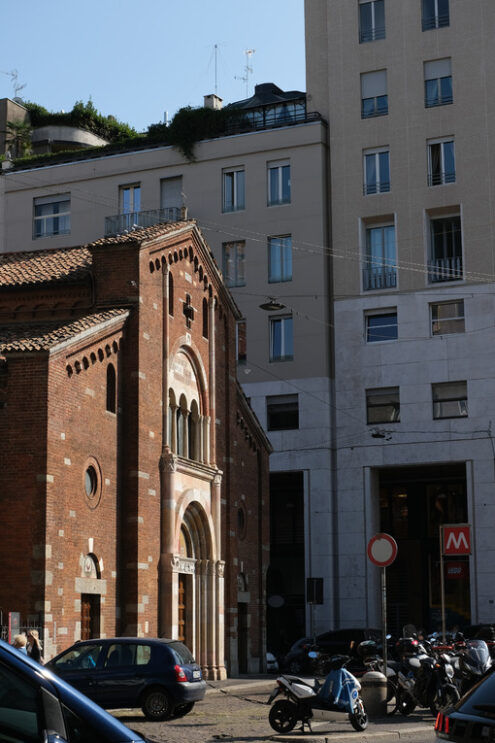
(236, 711)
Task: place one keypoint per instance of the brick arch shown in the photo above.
(194, 517)
(199, 371)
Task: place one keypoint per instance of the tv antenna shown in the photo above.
(247, 69)
(14, 78)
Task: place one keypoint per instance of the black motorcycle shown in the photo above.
(473, 661)
(424, 679)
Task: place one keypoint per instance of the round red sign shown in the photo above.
(382, 550)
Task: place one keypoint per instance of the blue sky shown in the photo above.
(137, 60)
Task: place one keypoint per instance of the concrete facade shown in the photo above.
(409, 283)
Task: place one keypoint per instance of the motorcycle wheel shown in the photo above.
(447, 699)
(405, 704)
(392, 698)
(358, 717)
(282, 716)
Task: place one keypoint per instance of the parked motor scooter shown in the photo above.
(307, 699)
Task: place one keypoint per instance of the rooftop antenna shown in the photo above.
(247, 69)
(216, 69)
(14, 78)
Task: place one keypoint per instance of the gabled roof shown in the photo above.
(43, 266)
(46, 335)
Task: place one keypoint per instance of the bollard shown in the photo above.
(374, 693)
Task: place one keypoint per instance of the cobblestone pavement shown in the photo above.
(236, 711)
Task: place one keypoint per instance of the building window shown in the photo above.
(279, 259)
(447, 317)
(170, 294)
(371, 20)
(435, 14)
(234, 263)
(383, 405)
(438, 83)
(278, 183)
(205, 317)
(380, 260)
(281, 339)
(374, 99)
(445, 249)
(376, 171)
(441, 162)
(111, 389)
(51, 216)
(234, 197)
(130, 199)
(449, 400)
(381, 326)
(241, 341)
(282, 412)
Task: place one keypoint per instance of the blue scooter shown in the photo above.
(307, 699)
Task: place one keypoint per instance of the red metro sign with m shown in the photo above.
(456, 539)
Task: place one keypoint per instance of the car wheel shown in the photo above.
(183, 709)
(156, 705)
(283, 716)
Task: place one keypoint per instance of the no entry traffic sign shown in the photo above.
(382, 550)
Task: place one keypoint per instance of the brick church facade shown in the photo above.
(133, 474)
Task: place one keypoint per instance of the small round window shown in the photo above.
(92, 483)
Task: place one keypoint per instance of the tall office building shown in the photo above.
(406, 88)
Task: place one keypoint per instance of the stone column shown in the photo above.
(167, 585)
(220, 628)
(216, 513)
(212, 620)
(212, 380)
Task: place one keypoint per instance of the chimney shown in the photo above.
(213, 101)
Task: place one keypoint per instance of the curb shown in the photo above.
(327, 737)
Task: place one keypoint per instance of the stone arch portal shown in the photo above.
(196, 581)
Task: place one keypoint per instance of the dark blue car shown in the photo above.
(158, 675)
(38, 707)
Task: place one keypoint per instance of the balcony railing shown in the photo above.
(435, 21)
(379, 278)
(377, 187)
(121, 223)
(372, 34)
(445, 269)
(440, 178)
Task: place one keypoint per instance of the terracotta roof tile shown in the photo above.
(43, 266)
(45, 335)
(144, 233)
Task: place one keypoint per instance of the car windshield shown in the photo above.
(181, 653)
(480, 700)
(81, 656)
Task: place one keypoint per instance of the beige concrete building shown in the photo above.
(259, 196)
(406, 89)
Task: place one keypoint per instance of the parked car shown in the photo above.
(335, 642)
(473, 717)
(158, 675)
(38, 707)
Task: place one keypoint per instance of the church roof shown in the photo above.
(43, 266)
(45, 335)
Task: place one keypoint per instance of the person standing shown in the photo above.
(20, 643)
(34, 649)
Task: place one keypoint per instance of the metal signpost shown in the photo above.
(455, 539)
(382, 551)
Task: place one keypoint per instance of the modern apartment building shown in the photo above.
(406, 89)
(259, 196)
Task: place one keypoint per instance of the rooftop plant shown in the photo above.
(84, 116)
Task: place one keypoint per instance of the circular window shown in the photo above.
(92, 483)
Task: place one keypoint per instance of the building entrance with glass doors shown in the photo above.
(414, 503)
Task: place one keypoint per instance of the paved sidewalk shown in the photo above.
(256, 689)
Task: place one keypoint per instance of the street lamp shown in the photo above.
(272, 305)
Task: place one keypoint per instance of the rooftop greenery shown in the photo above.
(84, 116)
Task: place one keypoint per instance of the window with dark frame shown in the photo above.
(376, 171)
(374, 98)
(371, 20)
(449, 400)
(51, 216)
(111, 389)
(281, 339)
(447, 317)
(445, 263)
(279, 259)
(383, 405)
(282, 412)
(381, 326)
(435, 14)
(234, 190)
(441, 162)
(438, 83)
